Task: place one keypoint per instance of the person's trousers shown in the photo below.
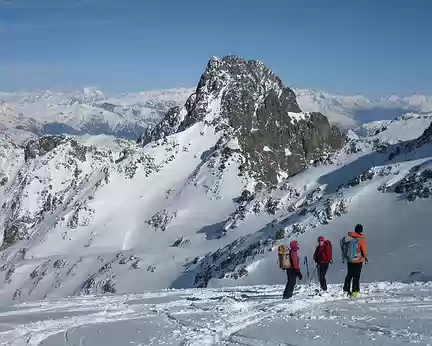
(354, 272)
(322, 271)
(291, 282)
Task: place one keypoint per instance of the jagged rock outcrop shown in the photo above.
(247, 100)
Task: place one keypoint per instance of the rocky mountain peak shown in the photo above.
(245, 99)
(233, 68)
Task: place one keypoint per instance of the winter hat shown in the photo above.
(294, 245)
(321, 238)
(358, 229)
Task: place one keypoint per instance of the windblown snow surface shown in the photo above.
(386, 314)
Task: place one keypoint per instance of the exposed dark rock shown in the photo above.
(61, 263)
(42, 146)
(8, 275)
(161, 219)
(182, 241)
(14, 232)
(151, 268)
(416, 184)
(280, 234)
(272, 206)
(78, 151)
(3, 181)
(17, 294)
(246, 196)
(128, 259)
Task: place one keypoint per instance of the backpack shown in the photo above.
(350, 249)
(329, 250)
(284, 257)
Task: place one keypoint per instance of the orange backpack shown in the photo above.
(284, 257)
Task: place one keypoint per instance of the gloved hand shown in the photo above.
(331, 262)
(300, 276)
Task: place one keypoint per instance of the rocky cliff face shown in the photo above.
(245, 99)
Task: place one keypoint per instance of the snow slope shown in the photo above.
(387, 314)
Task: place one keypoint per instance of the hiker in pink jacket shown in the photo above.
(294, 271)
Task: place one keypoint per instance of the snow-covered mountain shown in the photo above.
(352, 111)
(340, 110)
(420, 103)
(89, 111)
(208, 194)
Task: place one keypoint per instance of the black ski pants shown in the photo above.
(322, 271)
(354, 272)
(291, 282)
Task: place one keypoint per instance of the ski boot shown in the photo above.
(355, 294)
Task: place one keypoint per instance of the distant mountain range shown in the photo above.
(350, 111)
(127, 116)
(28, 115)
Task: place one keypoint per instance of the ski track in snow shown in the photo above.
(388, 314)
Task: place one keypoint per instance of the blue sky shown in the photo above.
(372, 47)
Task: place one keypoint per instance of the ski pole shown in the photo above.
(313, 274)
(307, 266)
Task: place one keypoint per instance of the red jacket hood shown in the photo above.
(294, 245)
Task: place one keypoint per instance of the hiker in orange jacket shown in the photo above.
(355, 252)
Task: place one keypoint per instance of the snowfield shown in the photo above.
(386, 314)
